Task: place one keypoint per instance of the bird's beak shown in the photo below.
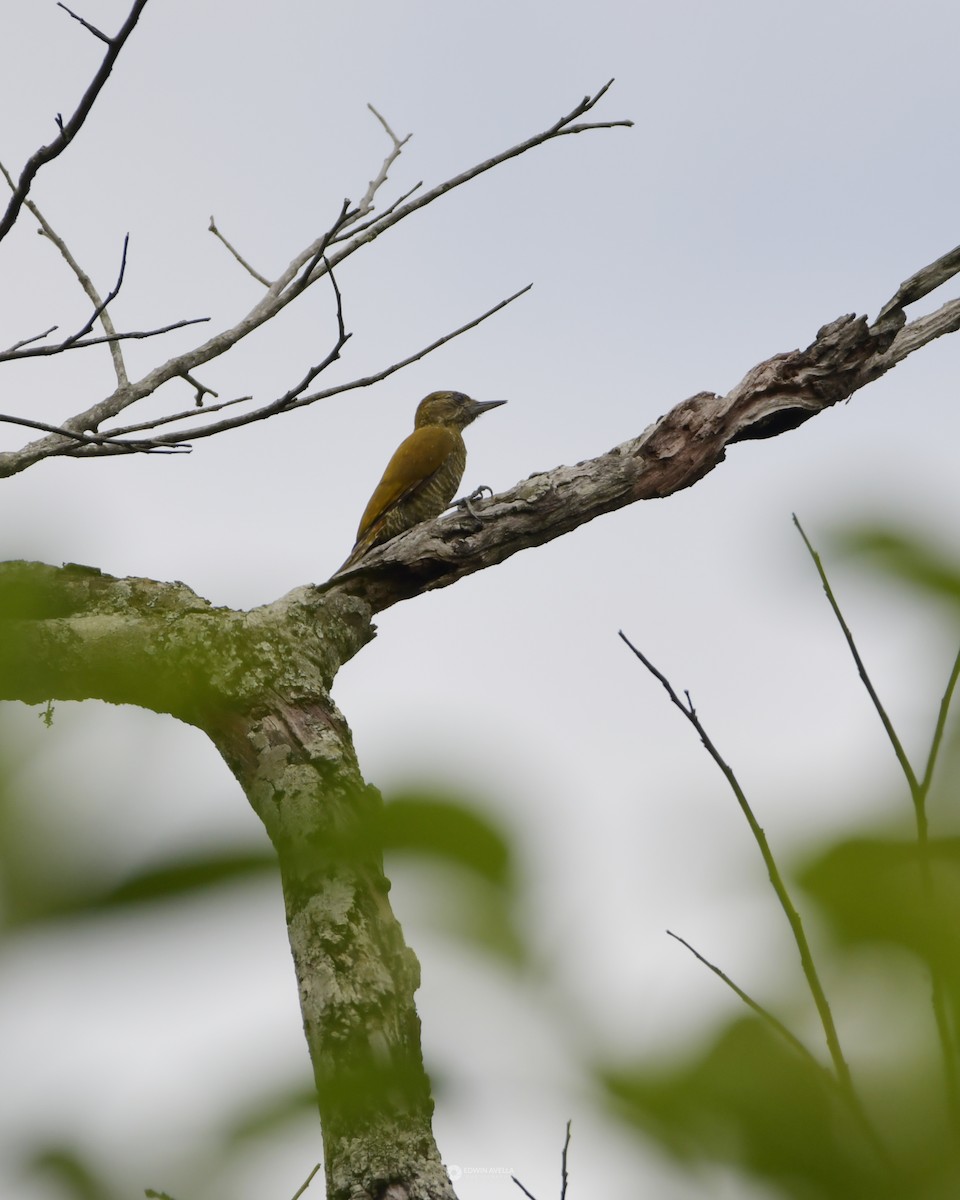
(480, 406)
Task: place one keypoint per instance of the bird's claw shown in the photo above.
(468, 502)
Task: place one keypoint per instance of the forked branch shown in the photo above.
(353, 228)
(70, 128)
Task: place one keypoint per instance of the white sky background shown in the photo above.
(790, 162)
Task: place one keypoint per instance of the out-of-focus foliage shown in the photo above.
(905, 556)
(750, 1100)
(884, 914)
(467, 869)
(888, 912)
(872, 891)
(473, 886)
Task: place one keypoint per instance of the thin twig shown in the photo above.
(871, 691)
(563, 1164)
(844, 1081)
(774, 1022)
(278, 295)
(95, 439)
(563, 1171)
(306, 1183)
(86, 24)
(100, 306)
(941, 723)
(237, 255)
(71, 344)
(353, 230)
(37, 337)
(367, 380)
(304, 280)
(283, 403)
(528, 1194)
(918, 795)
(201, 389)
(183, 415)
(69, 129)
(780, 888)
(366, 203)
(559, 128)
(287, 400)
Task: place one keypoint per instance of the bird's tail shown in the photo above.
(363, 546)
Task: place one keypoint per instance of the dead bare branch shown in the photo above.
(95, 439)
(236, 254)
(130, 335)
(292, 399)
(100, 306)
(672, 454)
(201, 389)
(321, 257)
(69, 129)
(366, 204)
(922, 283)
(27, 341)
(183, 415)
(97, 33)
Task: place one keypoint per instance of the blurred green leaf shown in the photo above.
(872, 890)
(269, 1115)
(754, 1103)
(73, 1173)
(191, 873)
(31, 894)
(905, 556)
(471, 866)
(447, 828)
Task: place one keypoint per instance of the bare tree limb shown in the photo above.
(675, 452)
(183, 415)
(100, 306)
(69, 129)
(97, 33)
(310, 264)
(201, 390)
(237, 255)
(129, 335)
(37, 337)
(341, 228)
(366, 203)
(923, 282)
(96, 439)
(292, 399)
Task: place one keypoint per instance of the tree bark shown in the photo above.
(258, 684)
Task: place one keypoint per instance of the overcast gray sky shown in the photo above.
(790, 162)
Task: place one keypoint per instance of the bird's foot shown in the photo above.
(468, 502)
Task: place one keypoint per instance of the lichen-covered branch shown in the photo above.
(258, 684)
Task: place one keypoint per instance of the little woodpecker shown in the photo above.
(423, 476)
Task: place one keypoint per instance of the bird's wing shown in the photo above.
(414, 461)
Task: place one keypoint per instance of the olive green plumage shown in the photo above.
(424, 473)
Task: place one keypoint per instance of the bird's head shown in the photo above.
(453, 409)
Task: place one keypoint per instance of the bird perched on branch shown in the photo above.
(423, 476)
